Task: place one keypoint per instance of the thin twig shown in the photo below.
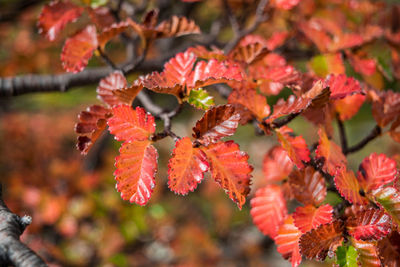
(342, 134)
(232, 18)
(106, 59)
(376, 131)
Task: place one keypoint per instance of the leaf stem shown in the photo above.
(342, 134)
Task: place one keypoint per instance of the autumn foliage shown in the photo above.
(302, 59)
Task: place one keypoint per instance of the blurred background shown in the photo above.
(79, 218)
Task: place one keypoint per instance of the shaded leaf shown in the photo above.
(101, 17)
(216, 123)
(230, 169)
(186, 167)
(295, 146)
(55, 16)
(249, 53)
(91, 125)
(385, 107)
(136, 169)
(389, 250)
(367, 253)
(112, 31)
(369, 224)
(128, 94)
(323, 241)
(389, 199)
(376, 171)
(308, 186)
(287, 241)
(202, 52)
(177, 26)
(268, 209)
(330, 152)
(309, 217)
(78, 49)
(107, 85)
(277, 165)
(348, 186)
(128, 124)
(200, 99)
(346, 256)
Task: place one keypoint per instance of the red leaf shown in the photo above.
(277, 165)
(287, 241)
(202, 52)
(367, 253)
(330, 152)
(230, 169)
(310, 217)
(101, 17)
(342, 86)
(292, 105)
(308, 186)
(212, 72)
(136, 169)
(186, 167)
(248, 97)
(369, 224)
(91, 125)
(268, 209)
(376, 171)
(285, 4)
(295, 146)
(348, 186)
(128, 124)
(107, 85)
(78, 49)
(55, 16)
(364, 66)
(277, 39)
(323, 241)
(216, 123)
(389, 199)
(385, 106)
(349, 106)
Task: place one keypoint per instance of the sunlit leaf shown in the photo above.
(128, 124)
(128, 94)
(200, 99)
(78, 49)
(308, 186)
(367, 253)
(287, 241)
(349, 106)
(216, 123)
(322, 242)
(348, 186)
(330, 152)
(91, 125)
(346, 256)
(292, 105)
(55, 16)
(310, 217)
(389, 199)
(136, 169)
(369, 224)
(186, 167)
(342, 86)
(277, 165)
(268, 209)
(285, 4)
(107, 85)
(230, 169)
(295, 146)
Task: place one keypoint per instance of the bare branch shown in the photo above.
(375, 132)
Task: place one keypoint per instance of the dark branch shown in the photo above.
(12, 250)
(278, 123)
(342, 134)
(376, 131)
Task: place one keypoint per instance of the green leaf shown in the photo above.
(346, 256)
(389, 199)
(95, 3)
(382, 53)
(200, 99)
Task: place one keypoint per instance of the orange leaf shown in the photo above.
(55, 16)
(376, 171)
(202, 52)
(107, 85)
(367, 253)
(177, 26)
(216, 123)
(186, 167)
(136, 169)
(308, 186)
(78, 49)
(249, 53)
(277, 165)
(91, 125)
(342, 86)
(295, 146)
(230, 169)
(268, 209)
(110, 32)
(287, 241)
(348, 186)
(101, 17)
(128, 94)
(330, 152)
(128, 124)
(310, 217)
(292, 105)
(349, 106)
(323, 241)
